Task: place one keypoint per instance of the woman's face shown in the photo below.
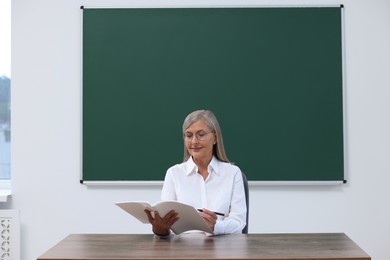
(199, 140)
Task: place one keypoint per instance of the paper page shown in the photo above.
(189, 218)
(136, 209)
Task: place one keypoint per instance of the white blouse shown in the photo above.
(222, 191)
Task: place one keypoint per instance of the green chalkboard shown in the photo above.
(272, 76)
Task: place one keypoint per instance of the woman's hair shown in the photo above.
(211, 121)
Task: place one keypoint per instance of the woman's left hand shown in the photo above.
(210, 218)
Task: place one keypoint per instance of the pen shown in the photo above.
(216, 213)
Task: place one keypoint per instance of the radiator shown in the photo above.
(9, 235)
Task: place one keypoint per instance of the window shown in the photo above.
(5, 90)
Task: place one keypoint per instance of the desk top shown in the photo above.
(334, 246)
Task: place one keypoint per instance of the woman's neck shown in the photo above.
(203, 164)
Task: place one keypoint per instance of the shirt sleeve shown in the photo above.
(168, 190)
(235, 221)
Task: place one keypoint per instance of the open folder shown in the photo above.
(189, 218)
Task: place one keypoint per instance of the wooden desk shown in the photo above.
(198, 246)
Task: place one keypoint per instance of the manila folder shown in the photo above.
(189, 218)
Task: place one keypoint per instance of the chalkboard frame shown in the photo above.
(253, 179)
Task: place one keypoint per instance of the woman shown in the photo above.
(205, 180)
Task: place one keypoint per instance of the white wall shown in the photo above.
(46, 136)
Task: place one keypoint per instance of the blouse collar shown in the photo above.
(191, 166)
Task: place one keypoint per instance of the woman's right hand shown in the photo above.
(162, 226)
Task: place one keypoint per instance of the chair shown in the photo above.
(246, 188)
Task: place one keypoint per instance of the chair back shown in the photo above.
(246, 188)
